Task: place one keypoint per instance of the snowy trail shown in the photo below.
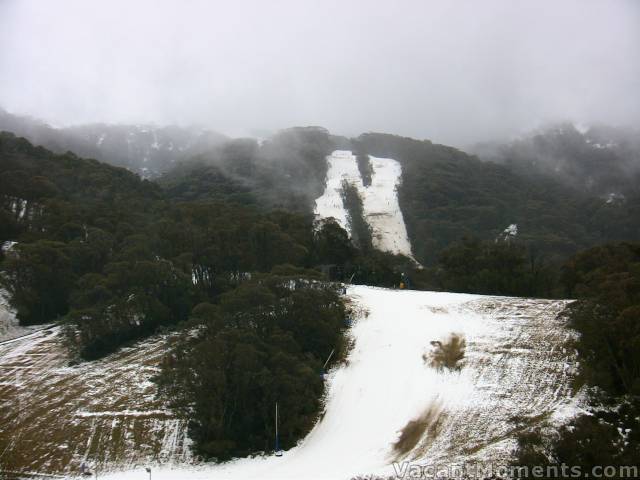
(516, 372)
(382, 210)
(380, 200)
(342, 166)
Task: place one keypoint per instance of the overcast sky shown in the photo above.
(451, 71)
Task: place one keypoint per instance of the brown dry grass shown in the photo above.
(42, 404)
(415, 430)
(448, 353)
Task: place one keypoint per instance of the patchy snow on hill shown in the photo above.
(380, 200)
(515, 372)
(381, 208)
(342, 166)
(54, 416)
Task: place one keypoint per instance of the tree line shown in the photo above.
(115, 258)
(263, 342)
(606, 282)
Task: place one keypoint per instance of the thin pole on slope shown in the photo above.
(278, 452)
(328, 358)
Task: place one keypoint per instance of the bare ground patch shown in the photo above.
(447, 353)
(416, 430)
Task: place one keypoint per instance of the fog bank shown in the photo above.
(455, 72)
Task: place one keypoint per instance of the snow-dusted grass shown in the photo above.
(380, 200)
(517, 371)
(54, 416)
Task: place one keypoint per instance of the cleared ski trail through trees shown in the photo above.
(379, 200)
(516, 371)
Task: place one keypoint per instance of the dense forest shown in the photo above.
(115, 258)
(224, 250)
(447, 195)
(264, 342)
(566, 190)
(453, 204)
(286, 171)
(599, 160)
(118, 257)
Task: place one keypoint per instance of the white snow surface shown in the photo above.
(511, 230)
(380, 200)
(342, 166)
(516, 372)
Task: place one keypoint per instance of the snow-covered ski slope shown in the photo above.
(516, 372)
(380, 200)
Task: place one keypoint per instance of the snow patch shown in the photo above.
(582, 128)
(7, 246)
(124, 413)
(342, 166)
(380, 200)
(382, 210)
(614, 198)
(511, 230)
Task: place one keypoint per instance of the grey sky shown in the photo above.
(451, 71)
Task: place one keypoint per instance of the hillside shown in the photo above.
(601, 160)
(310, 240)
(443, 194)
(565, 189)
(446, 194)
(217, 290)
(516, 372)
(286, 171)
(147, 150)
(380, 210)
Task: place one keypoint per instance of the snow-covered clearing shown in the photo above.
(517, 371)
(380, 200)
